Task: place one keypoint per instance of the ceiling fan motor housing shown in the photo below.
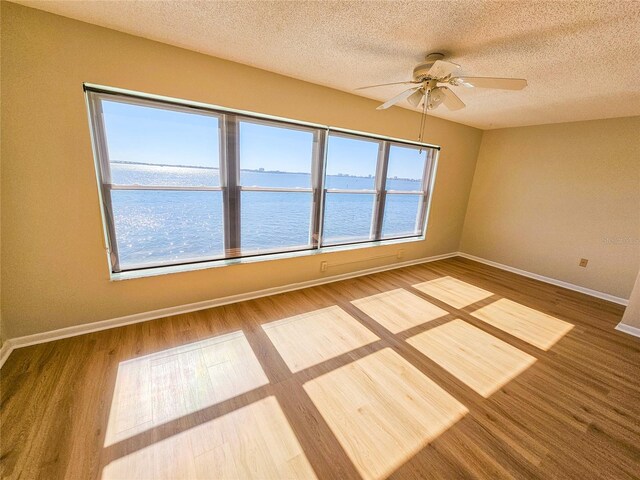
(421, 71)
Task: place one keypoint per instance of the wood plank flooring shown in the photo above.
(398, 310)
(526, 323)
(452, 291)
(480, 360)
(450, 369)
(311, 338)
(383, 410)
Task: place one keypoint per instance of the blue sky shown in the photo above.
(153, 135)
(274, 148)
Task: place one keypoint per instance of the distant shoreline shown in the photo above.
(253, 170)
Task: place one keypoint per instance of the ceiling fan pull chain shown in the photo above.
(424, 117)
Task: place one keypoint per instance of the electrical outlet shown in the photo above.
(583, 262)
(400, 253)
(323, 266)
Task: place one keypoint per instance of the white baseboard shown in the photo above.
(552, 281)
(9, 345)
(623, 327)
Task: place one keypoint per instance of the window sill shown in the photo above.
(153, 272)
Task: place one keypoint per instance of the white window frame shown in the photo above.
(317, 156)
(231, 189)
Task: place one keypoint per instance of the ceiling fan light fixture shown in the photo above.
(436, 98)
(416, 97)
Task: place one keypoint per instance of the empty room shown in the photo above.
(319, 239)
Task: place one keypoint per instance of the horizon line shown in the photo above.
(259, 170)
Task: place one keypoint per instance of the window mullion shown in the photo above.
(381, 185)
(231, 188)
(317, 183)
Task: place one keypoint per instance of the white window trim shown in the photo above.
(228, 121)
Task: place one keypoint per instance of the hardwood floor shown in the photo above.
(450, 369)
(398, 309)
(478, 359)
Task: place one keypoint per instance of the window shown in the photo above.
(161, 179)
(404, 197)
(184, 183)
(350, 195)
(275, 181)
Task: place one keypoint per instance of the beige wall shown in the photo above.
(545, 196)
(631, 315)
(1, 328)
(54, 270)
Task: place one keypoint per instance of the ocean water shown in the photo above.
(168, 226)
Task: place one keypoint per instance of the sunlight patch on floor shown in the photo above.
(253, 442)
(534, 327)
(453, 292)
(383, 410)
(399, 310)
(314, 337)
(478, 359)
(160, 387)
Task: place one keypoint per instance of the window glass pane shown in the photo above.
(351, 163)
(406, 168)
(160, 226)
(156, 146)
(275, 220)
(347, 217)
(275, 156)
(401, 215)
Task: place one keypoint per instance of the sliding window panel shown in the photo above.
(402, 215)
(161, 146)
(405, 169)
(275, 221)
(347, 218)
(350, 189)
(167, 227)
(275, 156)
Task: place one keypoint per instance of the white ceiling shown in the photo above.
(582, 59)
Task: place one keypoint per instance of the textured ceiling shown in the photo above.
(582, 59)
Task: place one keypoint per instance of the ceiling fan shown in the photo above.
(431, 80)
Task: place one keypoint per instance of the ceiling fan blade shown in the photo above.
(385, 84)
(415, 98)
(451, 100)
(398, 98)
(489, 82)
(442, 69)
